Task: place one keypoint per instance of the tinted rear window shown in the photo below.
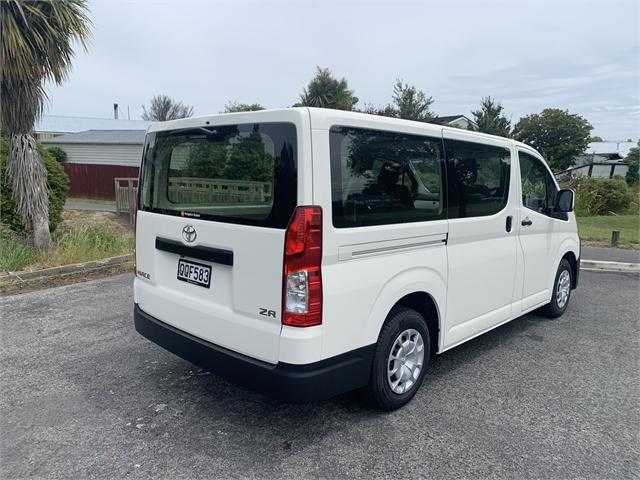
(234, 173)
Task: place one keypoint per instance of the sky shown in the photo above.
(577, 55)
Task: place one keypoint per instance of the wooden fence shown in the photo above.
(126, 196)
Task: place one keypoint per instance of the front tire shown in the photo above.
(561, 290)
(402, 355)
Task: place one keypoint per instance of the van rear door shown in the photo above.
(215, 201)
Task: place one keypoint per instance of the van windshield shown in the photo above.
(233, 173)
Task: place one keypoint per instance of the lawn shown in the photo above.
(82, 236)
(597, 230)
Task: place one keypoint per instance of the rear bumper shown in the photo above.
(287, 382)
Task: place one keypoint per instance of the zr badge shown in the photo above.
(267, 313)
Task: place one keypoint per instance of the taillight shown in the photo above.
(302, 297)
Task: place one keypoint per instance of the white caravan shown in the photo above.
(307, 252)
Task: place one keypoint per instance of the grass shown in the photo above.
(598, 229)
(15, 253)
(81, 237)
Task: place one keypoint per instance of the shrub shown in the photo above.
(602, 196)
(57, 183)
(633, 160)
(58, 154)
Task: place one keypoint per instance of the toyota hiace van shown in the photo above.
(307, 252)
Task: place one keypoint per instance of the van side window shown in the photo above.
(538, 188)
(478, 178)
(380, 178)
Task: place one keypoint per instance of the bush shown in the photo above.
(633, 160)
(57, 183)
(58, 154)
(602, 196)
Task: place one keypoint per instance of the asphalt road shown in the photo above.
(82, 395)
(609, 254)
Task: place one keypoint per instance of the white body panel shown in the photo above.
(478, 274)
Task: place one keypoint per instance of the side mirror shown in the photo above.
(564, 201)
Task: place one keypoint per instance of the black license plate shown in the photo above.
(195, 273)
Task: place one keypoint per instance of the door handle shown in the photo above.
(509, 223)
(526, 222)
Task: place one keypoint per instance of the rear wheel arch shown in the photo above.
(426, 306)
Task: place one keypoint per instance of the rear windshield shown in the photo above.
(234, 173)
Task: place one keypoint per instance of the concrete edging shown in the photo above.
(113, 261)
(68, 269)
(609, 266)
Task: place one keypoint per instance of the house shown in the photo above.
(601, 160)
(96, 157)
(458, 121)
(50, 126)
(605, 152)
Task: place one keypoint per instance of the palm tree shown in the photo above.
(326, 91)
(37, 37)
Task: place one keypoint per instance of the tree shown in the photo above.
(490, 118)
(633, 160)
(385, 111)
(595, 138)
(233, 107)
(248, 159)
(163, 108)
(558, 135)
(325, 91)
(410, 103)
(37, 46)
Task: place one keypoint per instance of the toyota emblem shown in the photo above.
(189, 233)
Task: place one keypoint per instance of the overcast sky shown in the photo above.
(582, 56)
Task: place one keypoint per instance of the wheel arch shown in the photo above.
(425, 305)
(569, 249)
(573, 261)
(420, 289)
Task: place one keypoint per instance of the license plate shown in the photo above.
(195, 273)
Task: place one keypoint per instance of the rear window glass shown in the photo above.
(380, 178)
(234, 173)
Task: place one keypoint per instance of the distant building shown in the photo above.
(605, 152)
(458, 121)
(50, 126)
(96, 157)
(601, 160)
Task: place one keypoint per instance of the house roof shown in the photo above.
(446, 119)
(610, 148)
(63, 124)
(100, 137)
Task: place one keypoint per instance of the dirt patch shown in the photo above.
(79, 218)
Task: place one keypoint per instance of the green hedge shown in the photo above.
(602, 196)
(57, 182)
(58, 154)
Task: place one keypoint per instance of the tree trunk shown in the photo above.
(30, 193)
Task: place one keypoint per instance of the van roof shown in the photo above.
(320, 114)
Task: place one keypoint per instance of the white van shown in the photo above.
(307, 252)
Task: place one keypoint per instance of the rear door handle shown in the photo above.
(526, 222)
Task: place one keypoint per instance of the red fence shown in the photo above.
(95, 181)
